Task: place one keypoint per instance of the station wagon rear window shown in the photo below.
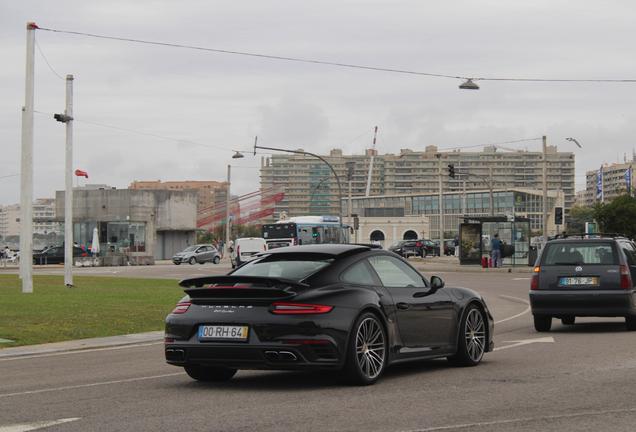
(579, 253)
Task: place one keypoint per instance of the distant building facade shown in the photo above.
(43, 218)
(613, 181)
(137, 223)
(209, 193)
(311, 188)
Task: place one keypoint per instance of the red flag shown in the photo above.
(81, 173)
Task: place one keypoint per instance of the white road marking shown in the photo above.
(517, 300)
(548, 339)
(36, 425)
(523, 420)
(88, 385)
(526, 278)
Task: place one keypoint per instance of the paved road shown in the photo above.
(576, 377)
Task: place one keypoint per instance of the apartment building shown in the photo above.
(613, 180)
(311, 187)
(43, 215)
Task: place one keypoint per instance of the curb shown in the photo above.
(82, 344)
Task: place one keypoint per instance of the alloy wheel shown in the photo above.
(370, 348)
(475, 334)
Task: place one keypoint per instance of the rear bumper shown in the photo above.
(584, 303)
(266, 356)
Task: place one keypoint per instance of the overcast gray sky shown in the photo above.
(156, 112)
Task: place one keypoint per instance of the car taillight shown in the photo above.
(296, 308)
(181, 308)
(626, 280)
(534, 283)
(418, 244)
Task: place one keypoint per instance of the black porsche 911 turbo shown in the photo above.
(351, 309)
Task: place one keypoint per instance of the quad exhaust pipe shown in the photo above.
(277, 356)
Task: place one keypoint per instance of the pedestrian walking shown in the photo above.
(456, 244)
(496, 251)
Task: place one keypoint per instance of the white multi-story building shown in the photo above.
(613, 181)
(43, 215)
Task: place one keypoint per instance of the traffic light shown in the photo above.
(451, 171)
(350, 166)
(558, 215)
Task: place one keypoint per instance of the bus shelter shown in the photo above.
(476, 233)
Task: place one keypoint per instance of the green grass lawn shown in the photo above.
(93, 307)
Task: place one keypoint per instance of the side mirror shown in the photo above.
(436, 282)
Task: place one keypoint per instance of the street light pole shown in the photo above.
(227, 214)
(441, 206)
(545, 191)
(327, 163)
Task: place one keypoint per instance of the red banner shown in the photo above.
(81, 173)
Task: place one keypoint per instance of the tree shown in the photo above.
(578, 216)
(617, 216)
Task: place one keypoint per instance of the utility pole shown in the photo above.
(227, 215)
(545, 191)
(26, 170)
(68, 183)
(441, 206)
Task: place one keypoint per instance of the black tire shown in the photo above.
(192, 261)
(177, 263)
(366, 355)
(568, 320)
(630, 323)
(471, 340)
(216, 260)
(209, 374)
(542, 323)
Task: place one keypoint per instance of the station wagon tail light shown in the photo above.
(534, 283)
(181, 308)
(297, 308)
(626, 280)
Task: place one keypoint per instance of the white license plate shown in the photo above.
(223, 332)
(578, 281)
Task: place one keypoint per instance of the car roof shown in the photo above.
(323, 249)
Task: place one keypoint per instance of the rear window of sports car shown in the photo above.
(283, 268)
(579, 253)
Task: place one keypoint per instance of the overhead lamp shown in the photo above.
(574, 141)
(469, 85)
(237, 155)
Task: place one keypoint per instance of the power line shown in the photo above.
(379, 69)
(143, 133)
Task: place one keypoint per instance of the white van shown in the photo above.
(244, 248)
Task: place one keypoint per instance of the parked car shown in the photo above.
(245, 248)
(55, 255)
(584, 276)
(198, 254)
(406, 248)
(429, 246)
(346, 308)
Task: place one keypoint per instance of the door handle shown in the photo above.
(402, 306)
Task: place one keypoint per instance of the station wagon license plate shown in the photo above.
(223, 332)
(578, 281)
